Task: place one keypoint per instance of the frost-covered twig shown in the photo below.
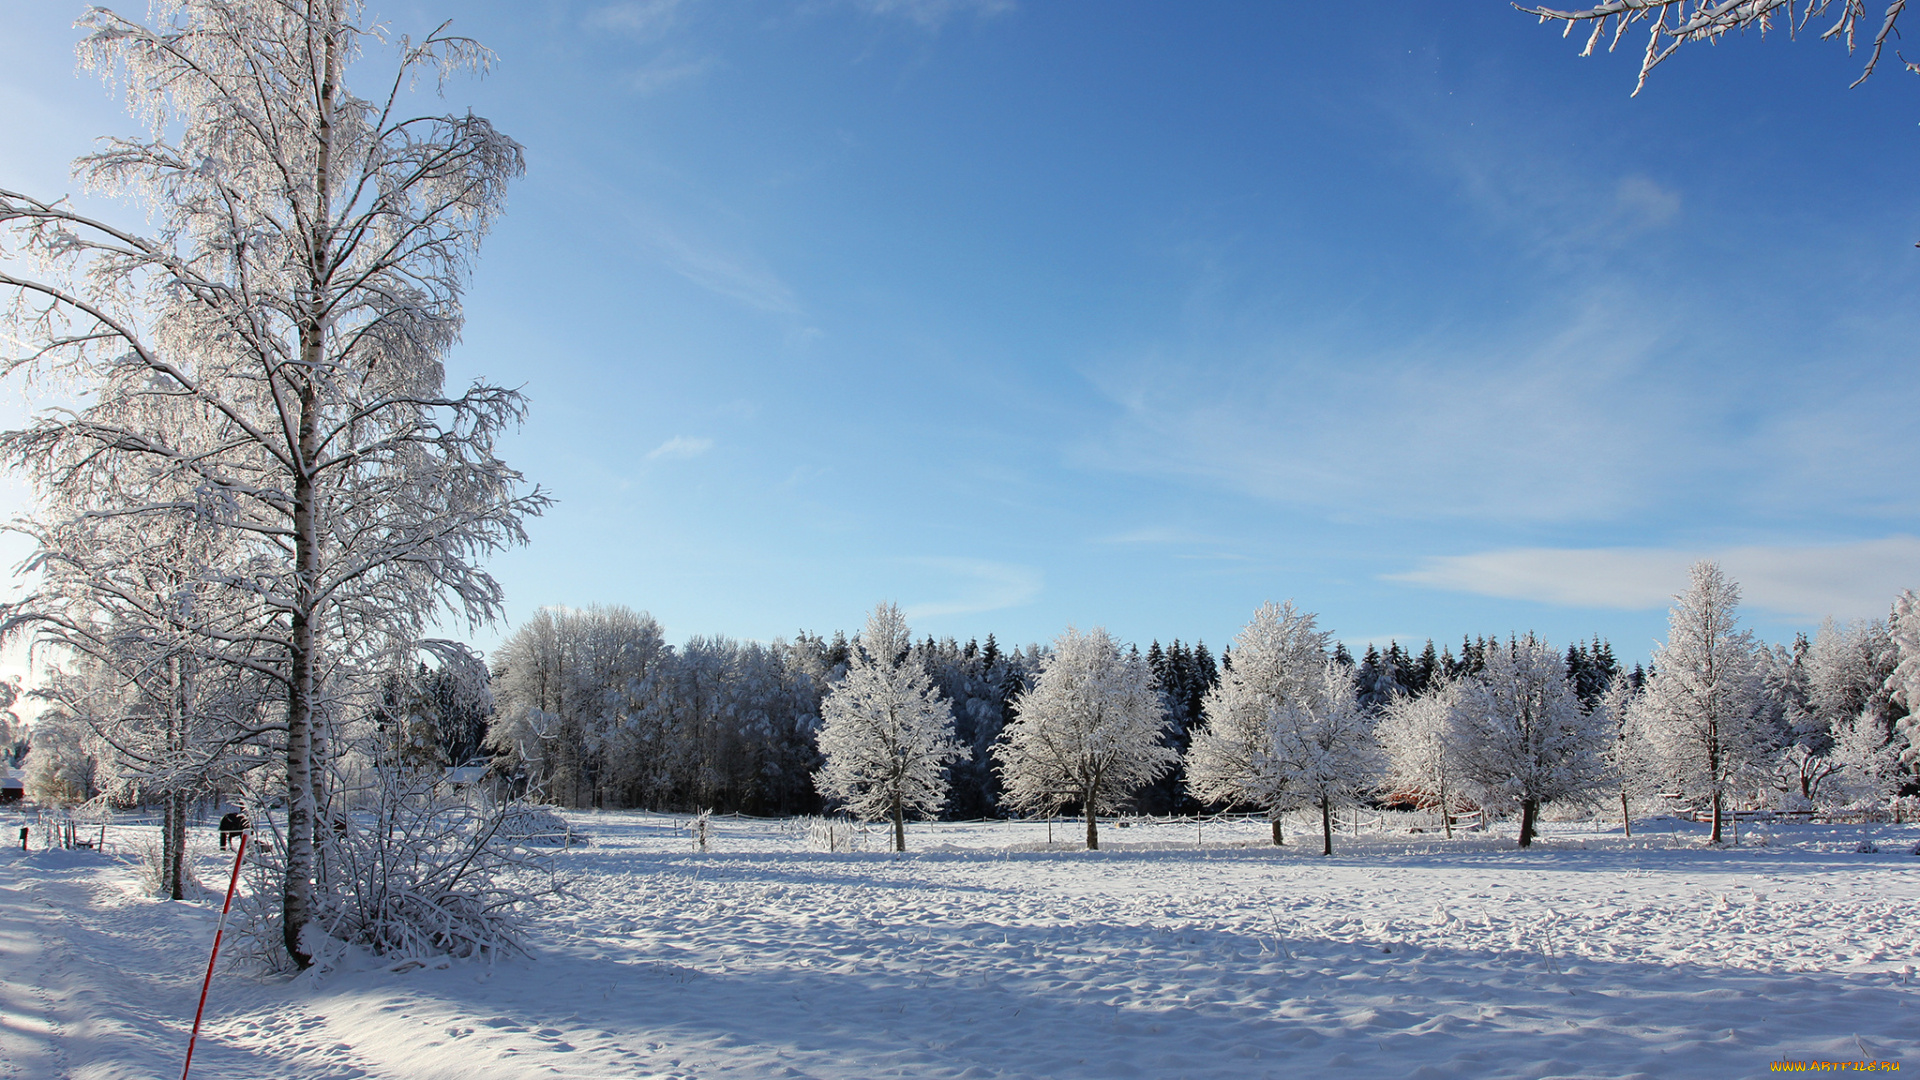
(1673, 23)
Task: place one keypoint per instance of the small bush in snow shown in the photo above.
(153, 869)
(836, 834)
(1868, 847)
(417, 872)
(701, 829)
(537, 826)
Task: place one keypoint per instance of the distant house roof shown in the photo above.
(11, 779)
(466, 774)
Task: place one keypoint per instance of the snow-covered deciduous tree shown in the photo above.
(1670, 24)
(576, 692)
(1417, 737)
(13, 730)
(1326, 746)
(1524, 738)
(1278, 659)
(64, 764)
(1904, 683)
(886, 733)
(1090, 731)
(1630, 765)
(736, 721)
(595, 709)
(1849, 672)
(1847, 723)
(1868, 763)
(1705, 709)
(297, 288)
(1805, 759)
(145, 643)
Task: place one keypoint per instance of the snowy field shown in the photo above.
(983, 954)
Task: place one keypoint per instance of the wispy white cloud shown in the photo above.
(932, 14)
(1799, 582)
(661, 73)
(1553, 209)
(1177, 542)
(644, 19)
(650, 24)
(1157, 535)
(1610, 405)
(736, 276)
(977, 585)
(679, 447)
(1556, 207)
(1357, 644)
(1571, 422)
(1640, 202)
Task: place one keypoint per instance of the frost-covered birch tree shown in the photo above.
(1326, 747)
(1090, 731)
(1523, 735)
(1278, 660)
(1704, 708)
(297, 282)
(886, 733)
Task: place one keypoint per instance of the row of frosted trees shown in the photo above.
(1721, 719)
(597, 710)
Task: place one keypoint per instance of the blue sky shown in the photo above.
(1025, 314)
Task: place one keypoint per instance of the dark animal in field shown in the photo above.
(232, 824)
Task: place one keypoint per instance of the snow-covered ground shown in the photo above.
(982, 954)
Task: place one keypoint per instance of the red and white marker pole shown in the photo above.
(218, 930)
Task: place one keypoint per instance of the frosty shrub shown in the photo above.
(155, 862)
(417, 871)
(836, 835)
(701, 828)
(537, 826)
